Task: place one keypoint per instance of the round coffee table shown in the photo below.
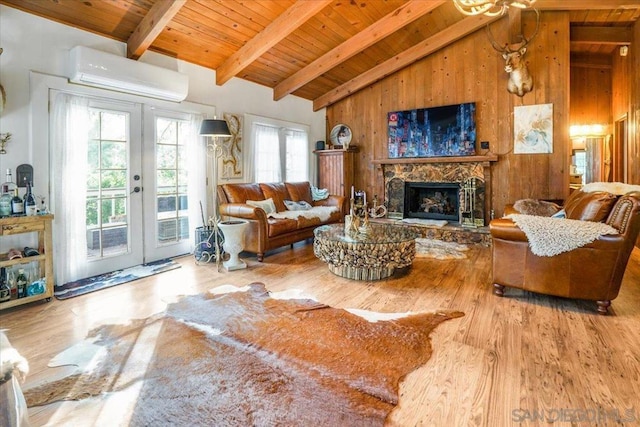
(373, 256)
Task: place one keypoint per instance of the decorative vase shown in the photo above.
(233, 231)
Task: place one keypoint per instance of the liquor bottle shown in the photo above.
(17, 207)
(30, 207)
(21, 284)
(7, 195)
(5, 290)
(11, 280)
(8, 186)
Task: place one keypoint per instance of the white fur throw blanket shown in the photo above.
(322, 212)
(617, 188)
(552, 236)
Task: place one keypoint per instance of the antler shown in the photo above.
(527, 40)
(505, 48)
(493, 41)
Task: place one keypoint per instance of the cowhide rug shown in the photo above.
(243, 356)
(434, 248)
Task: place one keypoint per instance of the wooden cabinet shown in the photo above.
(40, 224)
(336, 170)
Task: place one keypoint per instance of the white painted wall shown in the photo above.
(32, 43)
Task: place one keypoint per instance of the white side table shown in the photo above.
(233, 231)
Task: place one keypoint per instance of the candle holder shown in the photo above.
(353, 223)
(377, 211)
(365, 228)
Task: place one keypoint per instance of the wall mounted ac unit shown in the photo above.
(96, 68)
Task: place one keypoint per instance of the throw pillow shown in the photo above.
(297, 206)
(594, 206)
(319, 193)
(266, 205)
(536, 207)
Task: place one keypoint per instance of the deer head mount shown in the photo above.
(520, 80)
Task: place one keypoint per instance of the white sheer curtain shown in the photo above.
(196, 164)
(266, 154)
(69, 131)
(297, 168)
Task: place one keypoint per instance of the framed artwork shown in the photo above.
(533, 129)
(231, 158)
(449, 130)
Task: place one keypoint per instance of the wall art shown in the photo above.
(231, 158)
(533, 129)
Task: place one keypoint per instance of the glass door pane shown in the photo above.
(172, 214)
(166, 202)
(107, 219)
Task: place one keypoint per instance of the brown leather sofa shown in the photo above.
(591, 272)
(265, 233)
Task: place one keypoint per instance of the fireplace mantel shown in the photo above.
(459, 159)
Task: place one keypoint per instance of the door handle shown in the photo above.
(136, 190)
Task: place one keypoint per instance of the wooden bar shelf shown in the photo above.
(40, 224)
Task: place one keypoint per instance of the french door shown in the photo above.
(114, 211)
(137, 195)
(166, 166)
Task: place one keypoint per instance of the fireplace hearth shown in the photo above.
(432, 200)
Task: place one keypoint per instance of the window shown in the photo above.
(268, 166)
(581, 163)
(296, 164)
(281, 153)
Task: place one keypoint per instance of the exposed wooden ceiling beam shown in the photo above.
(403, 59)
(281, 27)
(602, 35)
(151, 26)
(392, 22)
(586, 4)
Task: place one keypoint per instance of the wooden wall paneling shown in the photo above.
(372, 116)
(448, 76)
(439, 81)
(467, 76)
(620, 84)
(634, 109)
(591, 96)
(505, 186)
(633, 124)
(555, 57)
(535, 167)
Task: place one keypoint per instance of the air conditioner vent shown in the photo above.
(100, 69)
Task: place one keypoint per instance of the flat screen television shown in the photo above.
(433, 132)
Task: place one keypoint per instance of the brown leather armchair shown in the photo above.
(592, 272)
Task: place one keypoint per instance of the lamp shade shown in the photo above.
(214, 127)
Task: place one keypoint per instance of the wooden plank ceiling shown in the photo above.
(321, 50)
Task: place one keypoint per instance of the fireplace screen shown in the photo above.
(432, 200)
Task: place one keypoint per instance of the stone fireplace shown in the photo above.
(432, 200)
(456, 189)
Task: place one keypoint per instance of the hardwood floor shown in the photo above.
(508, 360)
